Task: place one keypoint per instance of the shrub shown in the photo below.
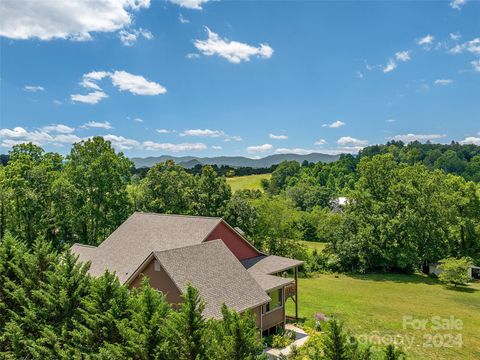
(454, 271)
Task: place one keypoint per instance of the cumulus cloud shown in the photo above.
(130, 37)
(426, 41)
(278, 137)
(122, 80)
(335, 124)
(182, 19)
(97, 125)
(455, 36)
(234, 51)
(72, 20)
(136, 84)
(351, 141)
(476, 65)
(259, 148)
(320, 142)
(150, 145)
(443, 82)
(139, 120)
(203, 133)
(216, 147)
(471, 46)
(391, 65)
(162, 131)
(297, 151)
(121, 142)
(192, 56)
(417, 137)
(90, 98)
(18, 135)
(471, 140)
(190, 4)
(403, 55)
(58, 128)
(457, 4)
(33, 88)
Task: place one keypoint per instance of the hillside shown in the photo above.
(233, 161)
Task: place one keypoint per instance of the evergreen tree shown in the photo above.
(335, 343)
(186, 329)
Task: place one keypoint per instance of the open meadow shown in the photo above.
(248, 182)
(376, 304)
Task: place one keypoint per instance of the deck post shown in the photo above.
(296, 293)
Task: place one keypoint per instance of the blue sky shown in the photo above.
(253, 78)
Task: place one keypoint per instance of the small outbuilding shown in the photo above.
(473, 271)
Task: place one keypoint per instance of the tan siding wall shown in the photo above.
(159, 280)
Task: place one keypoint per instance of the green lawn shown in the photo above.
(372, 304)
(314, 245)
(250, 182)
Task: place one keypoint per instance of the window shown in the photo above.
(157, 265)
(276, 302)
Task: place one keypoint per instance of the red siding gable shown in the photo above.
(237, 245)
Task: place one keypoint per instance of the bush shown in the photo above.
(283, 339)
(454, 271)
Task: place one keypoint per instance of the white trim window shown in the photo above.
(276, 302)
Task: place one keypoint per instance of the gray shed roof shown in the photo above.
(218, 275)
(270, 264)
(141, 234)
(270, 282)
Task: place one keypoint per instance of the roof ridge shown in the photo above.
(177, 215)
(215, 241)
(85, 245)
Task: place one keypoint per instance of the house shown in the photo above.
(473, 271)
(175, 250)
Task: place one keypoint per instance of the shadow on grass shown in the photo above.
(397, 278)
(463, 289)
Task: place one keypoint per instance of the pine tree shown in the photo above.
(185, 330)
(392, 353)
(335, 343)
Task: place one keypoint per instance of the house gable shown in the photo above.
(240, 247)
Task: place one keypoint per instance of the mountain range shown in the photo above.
(233, 161)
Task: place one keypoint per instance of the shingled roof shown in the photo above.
(270, 264)
(141, 234)
(218, 275)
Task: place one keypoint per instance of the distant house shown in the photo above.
(337, 204)
(473, 271)
(174, 250)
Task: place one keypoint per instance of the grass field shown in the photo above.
(376, 304)
(313, 245)
(250, 182)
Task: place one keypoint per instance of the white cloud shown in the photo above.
(121, 142)
(476, 65)
(403, 55)
(182, 19)
(471, 140)
(457, 4)
(190, 4)
(20, 135)
(359, 75)
(162, 131)
(259, 148)
(416, 137)
(278, 137)
(96, 75)
(192, 56)
(234, 51)
(97, 125)
(216, 147)
(320, 142)
(136, 84)
(351, 141)
(72, 19)
(91, 98)
(58, 128)
(455, 36)
(335, 124)
(297, 151)
(130, 37)
(139, 120)
(443, 82)
(391, 120)
(203, 133)
(33, 88)
(426, 41)
(472, 46)
(391, 65)
(150, 145)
